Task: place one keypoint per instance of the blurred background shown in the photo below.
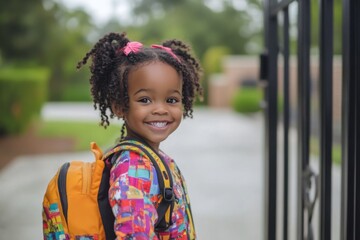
(45, 103)
(42, 41)
(47, 117)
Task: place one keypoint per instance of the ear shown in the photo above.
(117, 110)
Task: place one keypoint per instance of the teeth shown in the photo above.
(158, 124)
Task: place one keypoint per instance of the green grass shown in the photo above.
(82, 132)
(336, 150)
(336, 154)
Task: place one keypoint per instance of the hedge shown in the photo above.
(22, 94)
(247, 100)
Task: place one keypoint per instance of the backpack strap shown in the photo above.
(107, 216)
(167, 196)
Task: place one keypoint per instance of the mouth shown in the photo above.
(158, 124)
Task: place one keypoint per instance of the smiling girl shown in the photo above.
(151, 89)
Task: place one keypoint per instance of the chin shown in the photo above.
(158, 140)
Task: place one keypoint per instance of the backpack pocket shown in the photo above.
(54, 225)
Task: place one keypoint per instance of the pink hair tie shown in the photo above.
(133, 47)
(167, 49)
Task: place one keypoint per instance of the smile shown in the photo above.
(158, 124)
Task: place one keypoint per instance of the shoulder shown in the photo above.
(168, 160)
(165, 156)
(131, 157)
(128, 161)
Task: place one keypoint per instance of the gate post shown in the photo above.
(326, 115)
(303, 110)
(350, 201)
(271, 41)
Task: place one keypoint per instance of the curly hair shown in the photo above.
(110, 69)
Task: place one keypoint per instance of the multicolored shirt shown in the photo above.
(134, 192)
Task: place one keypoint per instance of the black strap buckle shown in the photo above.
(169, 195)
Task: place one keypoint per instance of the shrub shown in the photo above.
(247, 100)
(77, 93)
(22, 94)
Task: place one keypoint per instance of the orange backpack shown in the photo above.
(76, 204)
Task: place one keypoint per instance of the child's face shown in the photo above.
(155, 102)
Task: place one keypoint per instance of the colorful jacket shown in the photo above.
(134, 192)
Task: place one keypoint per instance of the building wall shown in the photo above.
(237, 69)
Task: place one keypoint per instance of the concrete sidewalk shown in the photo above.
(219, 152)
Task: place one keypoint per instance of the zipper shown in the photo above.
(62, 188)
(86, 178)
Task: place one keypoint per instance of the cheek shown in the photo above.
(136, 115)
(178, 112)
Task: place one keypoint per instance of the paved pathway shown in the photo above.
(219, 152)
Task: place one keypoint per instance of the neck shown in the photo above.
(133, 135)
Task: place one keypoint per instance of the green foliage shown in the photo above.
(280, 104)
(46, 33)
(212, 59)
(315, 27)
(229, 26)
(22, 94)
(66, 46)
(336, 152)
(82, 132)
(77, 93)
(23, 25)
(247, 100)
(212, 64)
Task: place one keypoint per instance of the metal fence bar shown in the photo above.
(325, 78)
(304, 107)
(271, 42)
(350, 201)
(280, 6)
(286, 122)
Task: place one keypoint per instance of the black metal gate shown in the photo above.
(313, 187)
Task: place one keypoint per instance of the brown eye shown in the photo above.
(172, 100)
(144, 100)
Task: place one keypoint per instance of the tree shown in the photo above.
(45, 33)
(23, 26)
(197, 23)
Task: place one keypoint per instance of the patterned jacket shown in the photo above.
(134, 192)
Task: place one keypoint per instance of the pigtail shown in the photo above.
(105, 59)
(191, 71)
(184, 51)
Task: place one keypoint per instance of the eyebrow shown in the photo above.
(150, 90)
(143, 90)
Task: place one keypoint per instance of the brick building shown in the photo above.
(237, 69)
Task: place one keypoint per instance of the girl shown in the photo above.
(151, 89)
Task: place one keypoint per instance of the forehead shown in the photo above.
(154, 75)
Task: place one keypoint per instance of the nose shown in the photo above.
(160, 109)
